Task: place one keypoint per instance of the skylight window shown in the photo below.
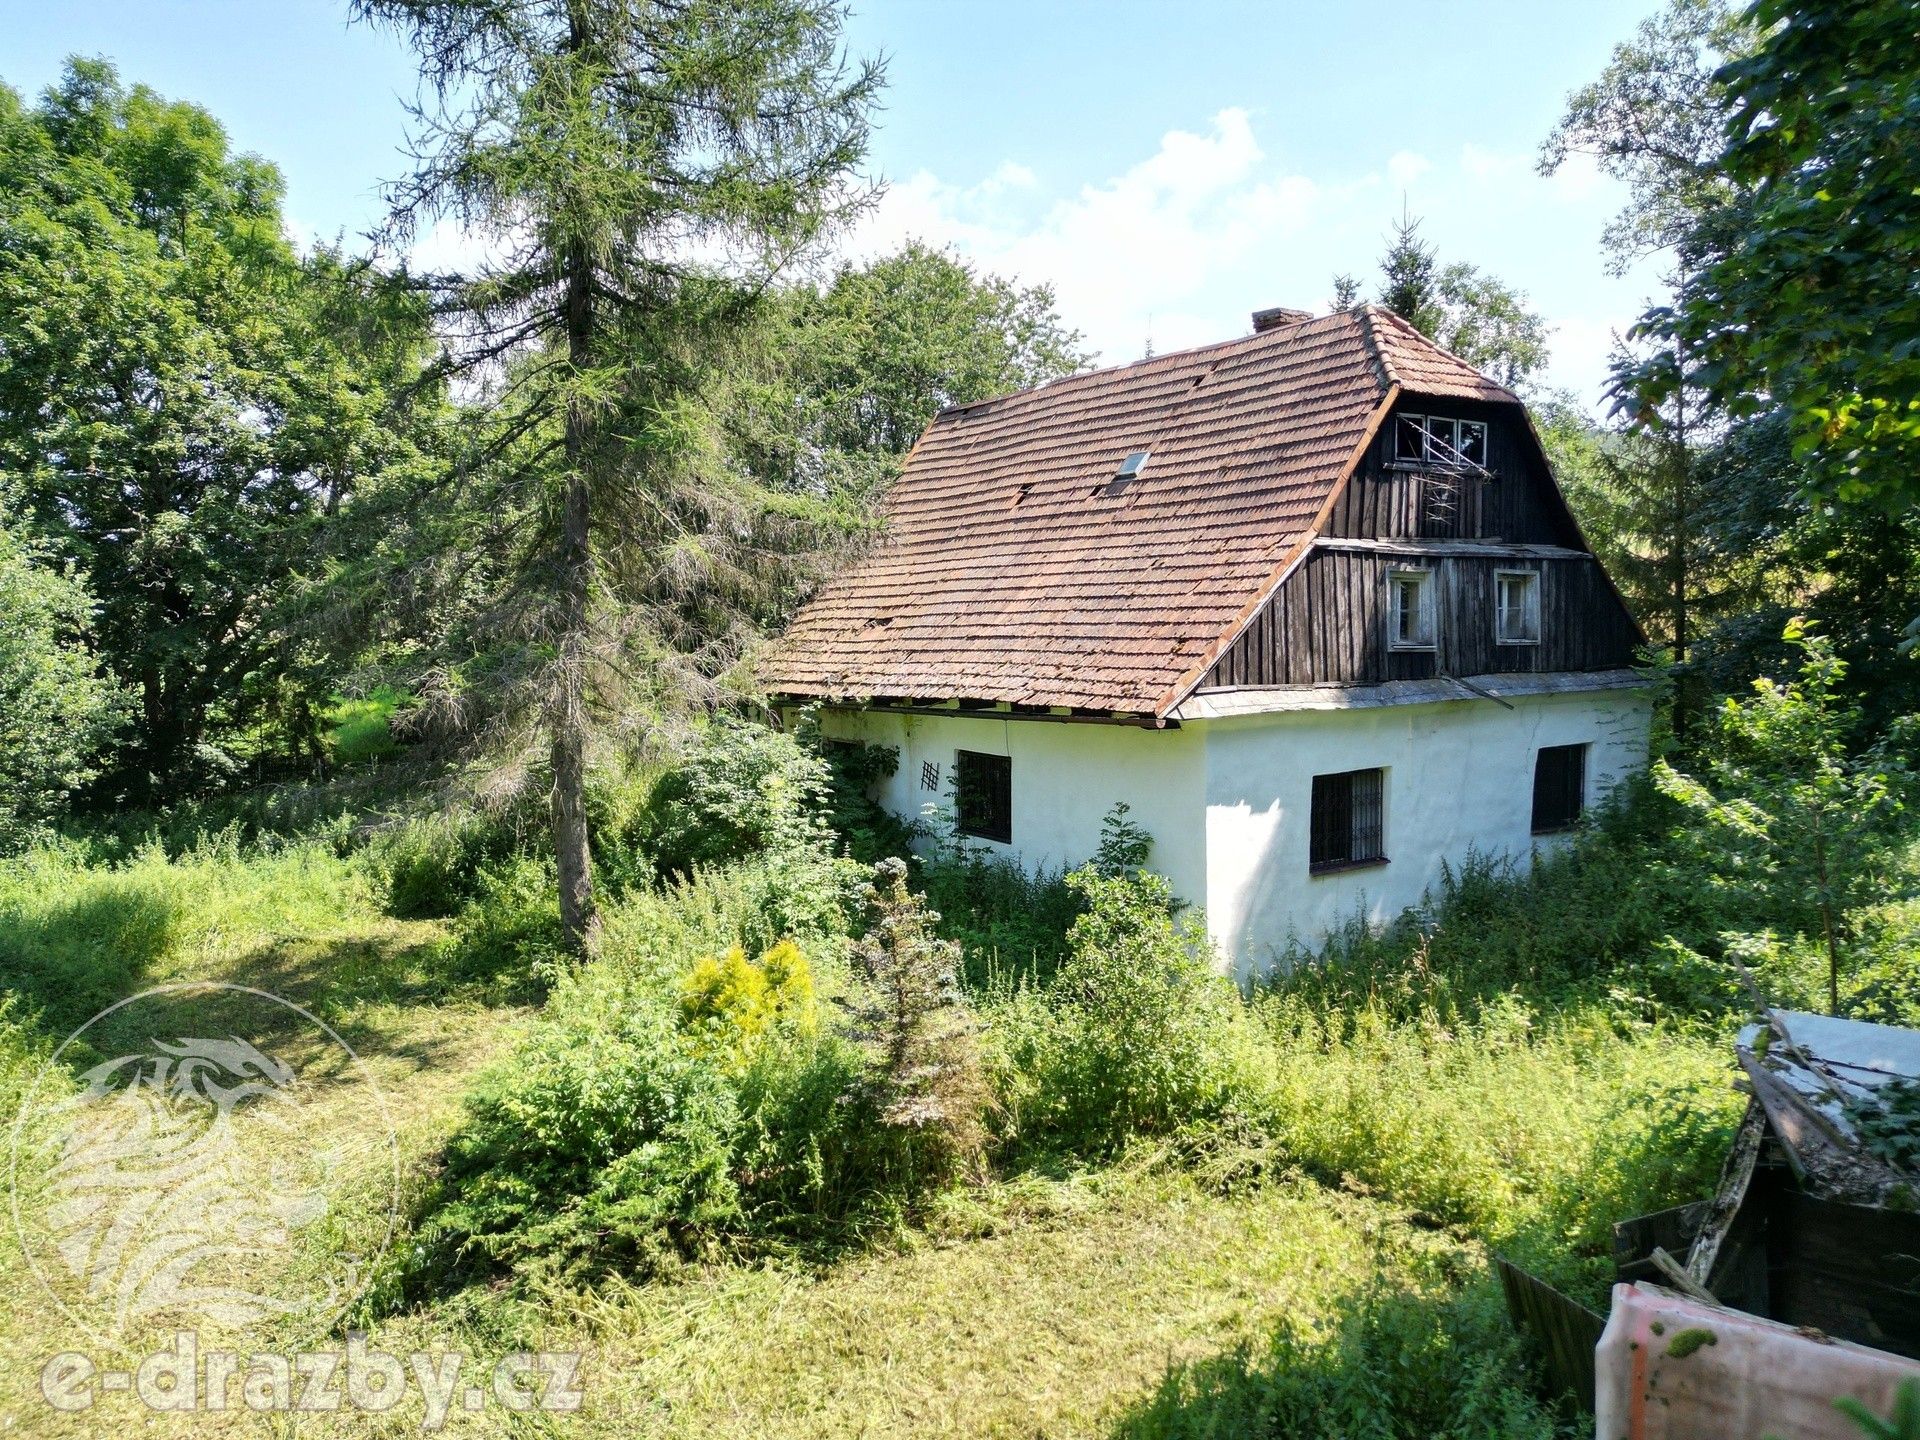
(1128, 472)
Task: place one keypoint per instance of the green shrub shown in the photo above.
(605, 1143)
(433, 867)
(1534, 1133)
(510, 930)
(619, 1136)
(729, 1003)
(1138, 1034)
(867, 830)
(744, 790)
(1011, 924)
(925, 1077)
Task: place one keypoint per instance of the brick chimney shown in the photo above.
(1276, 316)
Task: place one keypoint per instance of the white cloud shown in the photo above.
(1480, 163)
(1406, 166)
(1129, 256)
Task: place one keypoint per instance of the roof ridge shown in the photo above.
(1372, 311)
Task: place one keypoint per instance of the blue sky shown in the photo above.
(1167, 166)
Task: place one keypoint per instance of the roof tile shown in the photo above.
(1007, 573)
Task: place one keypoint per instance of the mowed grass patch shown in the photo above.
(299, 925)
(1071, 1316)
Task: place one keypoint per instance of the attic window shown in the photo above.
(1440, 440)
(1128, 472)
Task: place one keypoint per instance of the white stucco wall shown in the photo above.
(1459, 780)
(1065, 778)
(1227, 801)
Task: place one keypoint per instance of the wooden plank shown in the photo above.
(1849, 1270)
(1635, 1240)
(1736, 1178)
(1565, 1330)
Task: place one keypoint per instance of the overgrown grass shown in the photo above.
(1203, 1212)
(79, 936)
(359, 730)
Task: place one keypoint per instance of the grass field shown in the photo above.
(1139, 1297)
(1118, 1300)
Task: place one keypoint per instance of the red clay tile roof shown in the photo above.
(1006, 573)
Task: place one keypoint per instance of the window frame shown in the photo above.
(1362, 817)
(1558, 823)
(1427, 612)
(1532, 608)
(966, 782)
(1408, 423)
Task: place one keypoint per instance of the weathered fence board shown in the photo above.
(1565, 1330)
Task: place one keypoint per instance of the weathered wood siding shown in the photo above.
(1387, 500)
(1327, 624)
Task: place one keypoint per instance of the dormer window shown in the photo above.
(1440, 440)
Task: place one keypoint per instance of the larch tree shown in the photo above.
(637, 171)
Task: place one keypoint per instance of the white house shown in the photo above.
(1308, 601)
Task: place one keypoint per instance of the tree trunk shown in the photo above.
(1682, 559)
(567, 709)
(1826, 922)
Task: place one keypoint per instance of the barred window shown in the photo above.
(1349, 820)
(1559, 787)
(983, 795)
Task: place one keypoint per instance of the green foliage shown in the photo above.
(509, 931)
(918, 1028)
(79, 935)
(617, 143)
(57, 711)
(1902, 1424)
(1481, 319)
(743, 790)
(1888, 1122)
(853, 371)
(868, 831)
(729, 1003)
(1407, 274)
(1010, 923)
(184, 404)
(1802, 815)
(1655, 120)
(676, 1100)
(1490, 325)
(1124, 846)
(434, 866)
(605, 1143)
(358, 731)
(1805, 303)
(1136, 1035)
(1419, 1356)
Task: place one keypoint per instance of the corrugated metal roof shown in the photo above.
(1007, 574)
